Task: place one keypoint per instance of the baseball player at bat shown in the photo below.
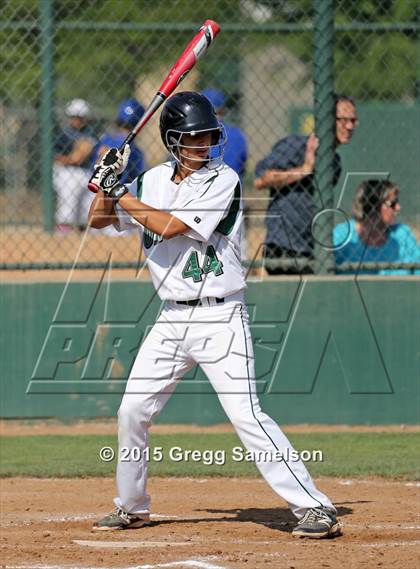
(188, 212)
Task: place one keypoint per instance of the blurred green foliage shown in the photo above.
(97, 40)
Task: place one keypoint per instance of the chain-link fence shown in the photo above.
(76, 72)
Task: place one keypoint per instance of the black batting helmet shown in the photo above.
(187, 112)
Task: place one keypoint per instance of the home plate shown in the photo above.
(129, 544)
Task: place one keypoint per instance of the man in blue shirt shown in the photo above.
(288, 172)
(129, 113)
(236, 149)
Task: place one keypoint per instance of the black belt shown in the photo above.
(198, 301)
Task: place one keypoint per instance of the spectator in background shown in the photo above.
(373, 234)
(129, 113)
(236, 149)
(73, 149)
(288, 172)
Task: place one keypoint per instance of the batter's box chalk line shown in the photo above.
(129, 544)
(199, 563)
(390, 543)
(84, 517)
(388, 526)
(193, 563)
(70, 518)
(350, 482)
(137, 544)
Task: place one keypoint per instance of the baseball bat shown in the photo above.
(194, 50)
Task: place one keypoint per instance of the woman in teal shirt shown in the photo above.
(373, 234)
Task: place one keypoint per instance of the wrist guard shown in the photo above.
(117, 192)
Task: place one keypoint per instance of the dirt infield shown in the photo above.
(214, 523)
(206, 524)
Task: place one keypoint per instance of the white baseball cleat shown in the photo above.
(119, 519)
(318, 523)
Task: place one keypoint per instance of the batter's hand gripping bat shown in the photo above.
(195, 49)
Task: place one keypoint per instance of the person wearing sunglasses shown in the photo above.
(373, 234)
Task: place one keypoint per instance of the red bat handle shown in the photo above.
(195, 49)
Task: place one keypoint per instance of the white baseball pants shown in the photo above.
(218, 339)
(73, 197)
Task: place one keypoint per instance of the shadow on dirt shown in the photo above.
(276, 518)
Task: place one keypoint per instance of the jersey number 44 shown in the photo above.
(211, 264)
